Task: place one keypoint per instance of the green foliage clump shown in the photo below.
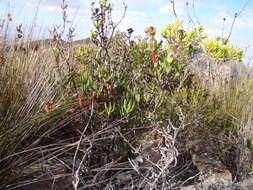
(221, 51)
(178, 39)
(189, 42)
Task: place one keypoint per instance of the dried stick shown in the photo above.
(76, 173)
(174, 8)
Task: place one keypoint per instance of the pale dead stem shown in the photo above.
(168, 160)
(76, 172)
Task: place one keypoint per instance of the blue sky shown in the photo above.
(140, 13)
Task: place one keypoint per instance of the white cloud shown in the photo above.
(55, 5)
(179, 8)
(44, 3)
(136, 20)
(50, 8)
(140, 5)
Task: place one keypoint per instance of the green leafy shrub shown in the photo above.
(222, 52)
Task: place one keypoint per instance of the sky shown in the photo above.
(44, 14)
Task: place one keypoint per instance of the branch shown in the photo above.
(236, 15)
(173, 8)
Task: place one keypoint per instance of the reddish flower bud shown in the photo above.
(48, 107)
(109, 89)
(80, 99)
(153, 58)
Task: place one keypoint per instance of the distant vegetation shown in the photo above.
(83, 112)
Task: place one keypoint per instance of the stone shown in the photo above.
(246, 184)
